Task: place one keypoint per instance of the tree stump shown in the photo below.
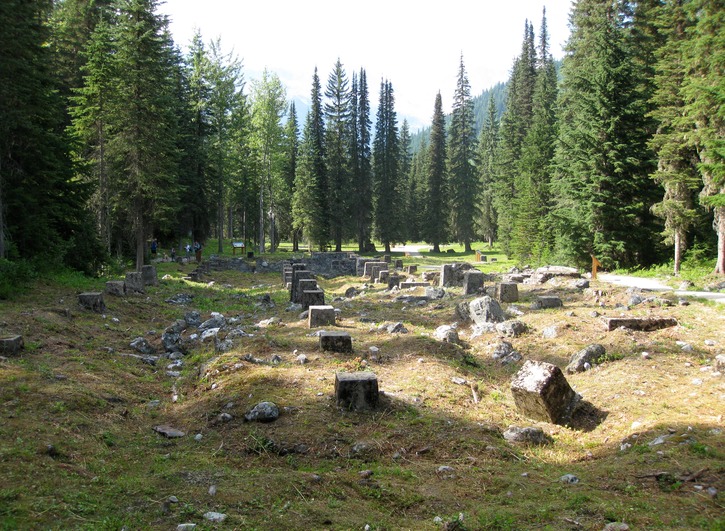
(11, 345)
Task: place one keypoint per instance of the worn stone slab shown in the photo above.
(92, 300)
(357, 391)
(644, 324)
(472, 282)
(117, 288)
(335, 341)
(541, 392)
(382, 277)
(149, 275)
(393, 281)
(11, 345)
(297, 275)
(312, 297)
(399, 264)
(452, 274)
(485, 310)
(387, 258)
(368, 268)
(320, 316)
(134, 282)
(411, 269)
(410, 284)
(507, 292)
(547, 302)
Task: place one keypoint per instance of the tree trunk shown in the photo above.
(467, 246)
(720, 229)
(220, 220)
(2, 216)
(678, 252)
(261, 220)
(387, 247)
(436, 247)
(140, 242)
(295, 241)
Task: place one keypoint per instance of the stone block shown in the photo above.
(485, 310)
(393, 281)
(387, 258)
(383, 276)
(116, 288)
(320, 316)
(297, 275)
(11, 345)
(399, 264)
(335, 341)
(92, 300)
(134, 283)
(452, 274)
(149, 275)
(545, 303)
(312, 297)
(356, 391)
(375, 271)
(541, 392)
(367, 270)
(411, 269)
(472, 282)
(644, 324)
(507, 292)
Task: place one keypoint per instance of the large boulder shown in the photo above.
(485, 310)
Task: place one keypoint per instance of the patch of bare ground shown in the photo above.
(77, 448)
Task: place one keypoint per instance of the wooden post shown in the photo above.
(595, 263)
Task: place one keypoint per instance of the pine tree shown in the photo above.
(386, 169)
(463, 181)
(434, 228)
(361, 190)
(337, 150)
(530, 238)
(309, 208)
(404, 182)
(487, 149)
(514, 126)
(601, 183)
(704, 97)
(143, 144)
(41, 204)
(677, 160)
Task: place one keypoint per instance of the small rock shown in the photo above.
(224, 417)
(212, 490)
(550, 332)
(263, 412)
(458, 380)
(301, 359)
(185, 527)
(365, 473)
(529, 435)
(445, 469)
(198, 437)
(710, 343)
(646, 356)
(215, 517)
(168, 431)
(569, 478)
(616, 526)
(712, 492)
(173, 499)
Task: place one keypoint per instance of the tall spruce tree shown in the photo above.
(463, 181)
(41, 204)
(143, 144)
(404, 182)
(310, 204)
(530, 238)
(337, 151)
(434, 226)
(514, 126)
(601, 183)
(677, 160)
(487, 150)
(292, 145)
(362, 175)
(704, 96)
(386, 169)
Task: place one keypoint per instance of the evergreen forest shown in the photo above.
(112, 135)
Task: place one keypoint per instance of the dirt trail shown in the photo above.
(654, 284)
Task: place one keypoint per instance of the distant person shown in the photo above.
(188, 250)
(173, 253)
(154, 248)
(197, 251)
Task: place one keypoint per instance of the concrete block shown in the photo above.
(92, 300)
(336, 341)
(320, 316)
(356, 391)
(116, 288)
(507, 292)
(541, 392)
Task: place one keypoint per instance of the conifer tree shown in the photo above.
(704, 96)
(386, 169)
(337, 151)
(601, 183)
(404, 182)
(463, 181)
(362, 189)
(677, 160)
(291, 139)
(310, 205)
(514, 125)
(530, 238)
(487, 150)
(434, 227)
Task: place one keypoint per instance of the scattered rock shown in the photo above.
(616, 526)
(12, 345)
(215, 517)
(141, 345)
(547, 302)
(527, 435)
(458, 380)
(263, 412)
(485, 310)
(217, 321)
(301, 359)
(569, 478)
(511, 328)
(193, 318)
(394, 328)
(447, 334)
(550, 332)
(180, 298)
(541, 392)
(168, 431)
(185, 527)
(505, 354)
(589, 355)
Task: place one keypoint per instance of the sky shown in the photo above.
(416, 45)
